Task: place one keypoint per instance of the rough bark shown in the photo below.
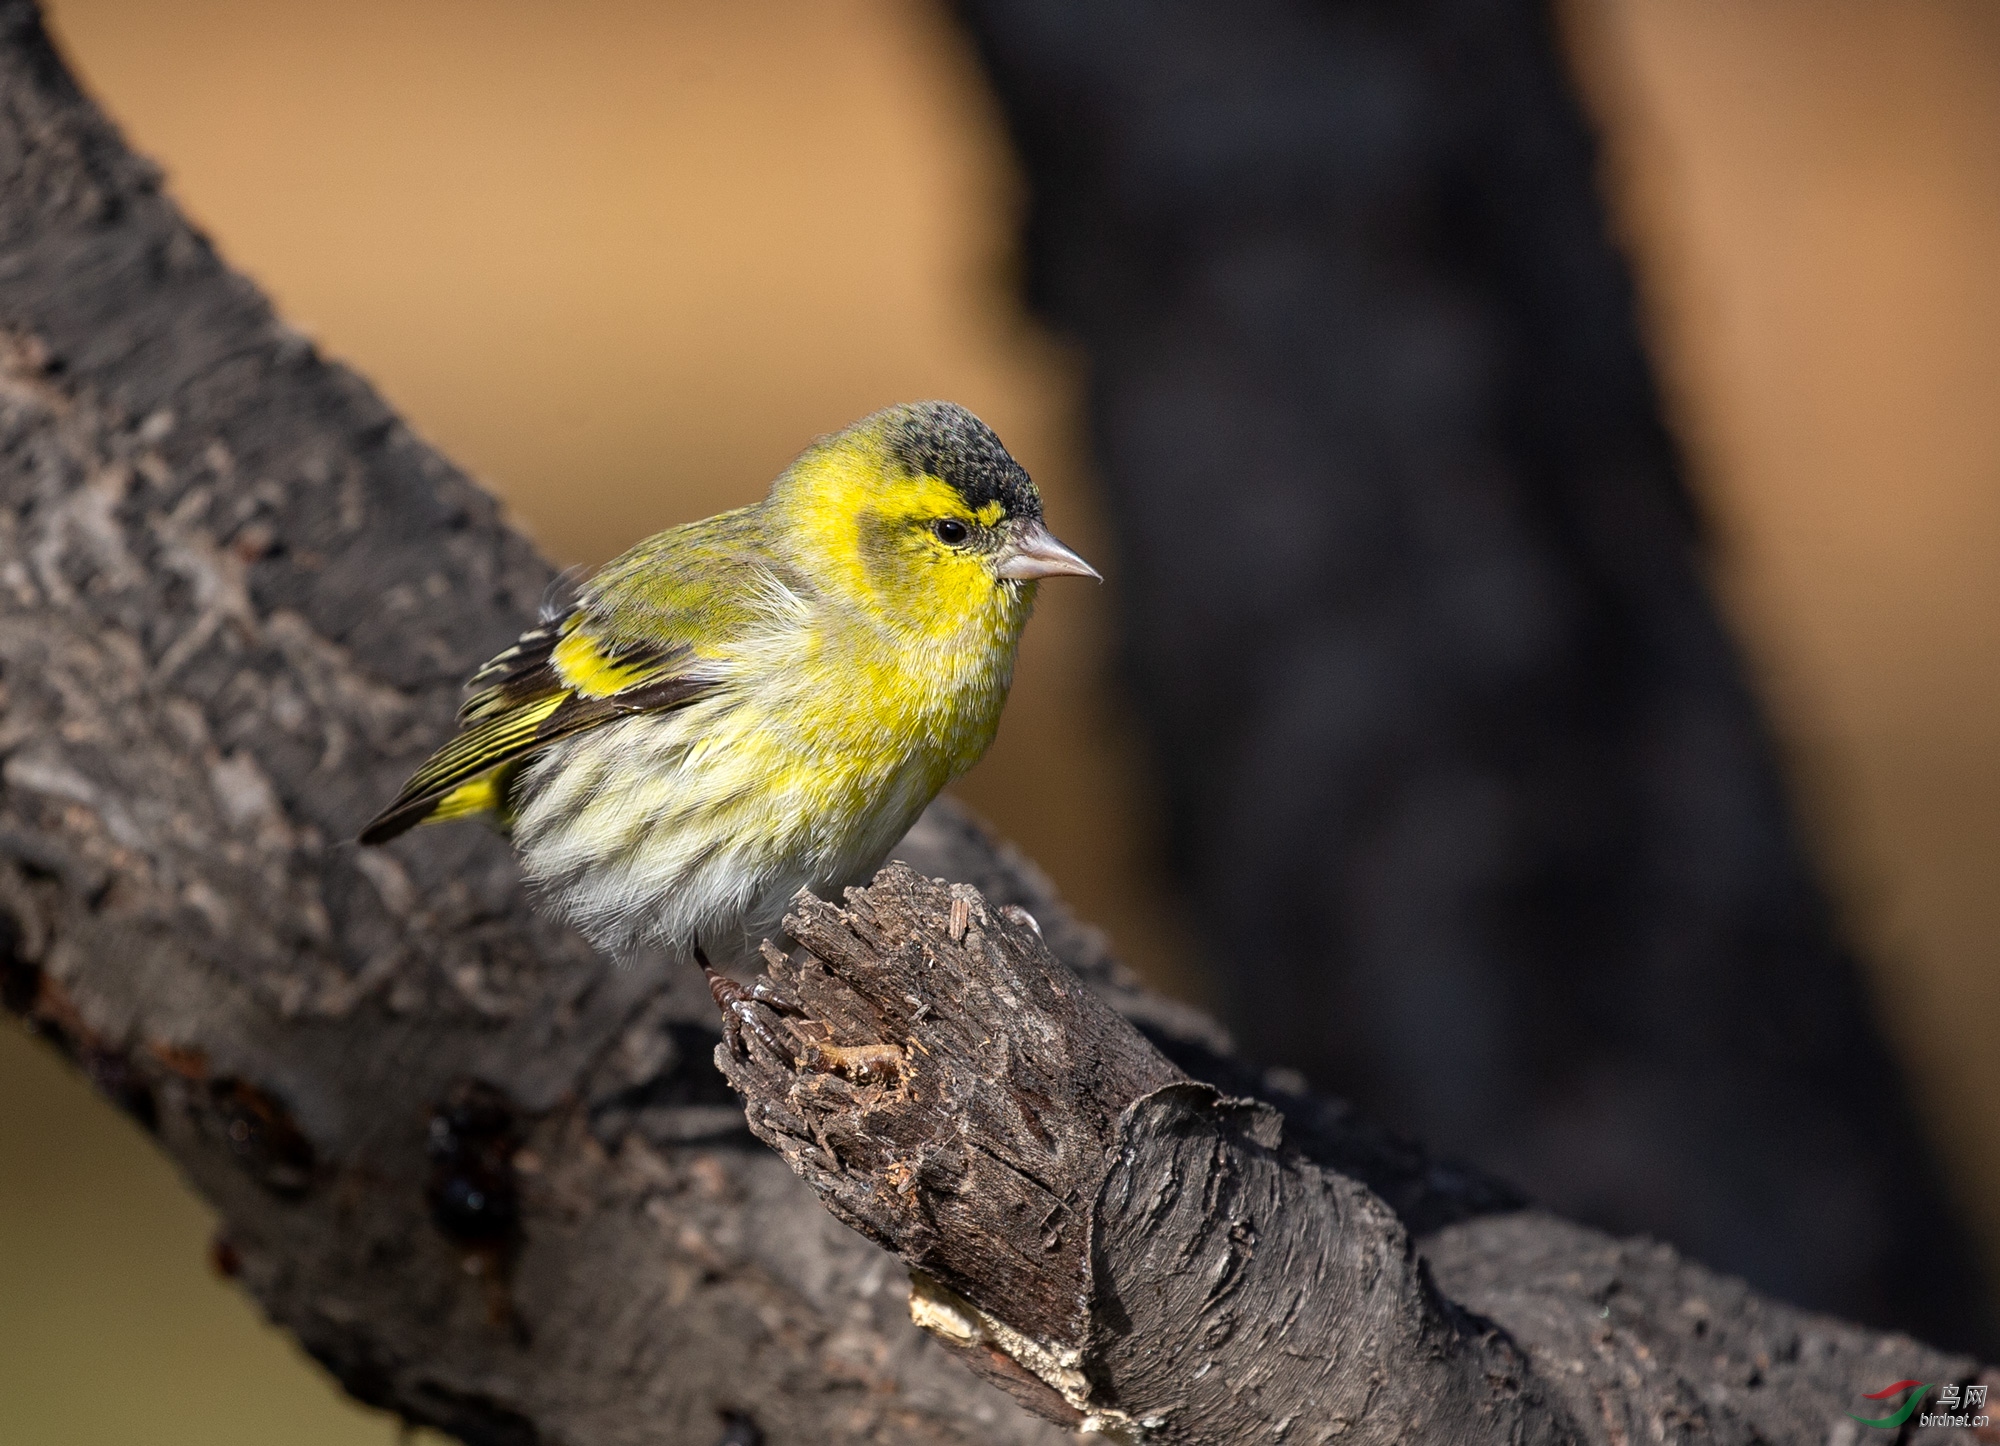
(1125, 1248)
(1458, 760)
(492, 1182)
(1135, 1251)
(489, 1180)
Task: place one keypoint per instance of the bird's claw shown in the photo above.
(739, 1011)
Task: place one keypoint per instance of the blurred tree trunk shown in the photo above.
(1462, 768)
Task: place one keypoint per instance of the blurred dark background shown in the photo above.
(1422, 757)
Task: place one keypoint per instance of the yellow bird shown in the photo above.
(760, 702)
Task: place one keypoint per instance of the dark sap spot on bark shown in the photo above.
(223, 1258)
(20, 981)
(472, 1191)
(261, 1136)
(739, 1429)
(120, 1082)
(50, 1014)
(476, 1420)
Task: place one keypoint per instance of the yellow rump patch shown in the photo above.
(483, 795)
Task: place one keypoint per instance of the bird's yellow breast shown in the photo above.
(863, 719)
(801, 771)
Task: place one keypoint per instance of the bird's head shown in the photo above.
(920, 507)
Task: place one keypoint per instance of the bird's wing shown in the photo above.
(564, 676)
(648, 633)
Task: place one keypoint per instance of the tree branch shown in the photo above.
(1134, 1251)
(1126, 1248)
(492, 1183)
(1426, 733)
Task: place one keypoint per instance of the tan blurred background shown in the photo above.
(622, 259)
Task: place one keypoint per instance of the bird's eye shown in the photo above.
(950, 531)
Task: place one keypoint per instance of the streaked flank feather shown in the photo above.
(761, 701)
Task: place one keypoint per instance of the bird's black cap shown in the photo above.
(944, 440)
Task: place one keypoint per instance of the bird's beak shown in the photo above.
(1032, 552)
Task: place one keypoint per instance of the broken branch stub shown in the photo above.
(952, 1099)
(1120, 1246)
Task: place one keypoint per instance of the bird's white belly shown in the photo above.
(699, 826)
